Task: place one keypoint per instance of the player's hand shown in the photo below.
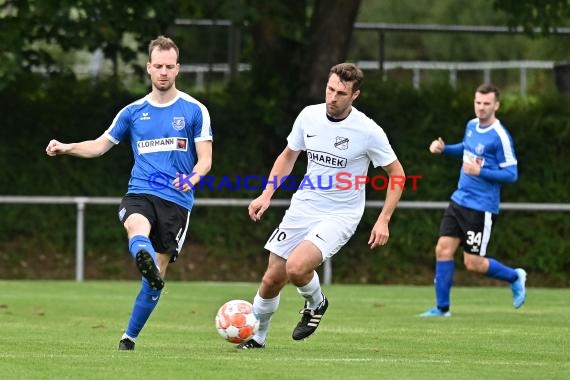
(257, 207)
(182, 182)
(55, 147)
(471, 168)
(437, 146)
(379, 234)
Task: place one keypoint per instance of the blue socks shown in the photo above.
(139, 242)
(147, 299)
(145, 303)
(444, 271)
(501, 272)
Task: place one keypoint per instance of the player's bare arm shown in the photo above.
(282, 167)
(202, 167)
(380, 232)
(84, 149)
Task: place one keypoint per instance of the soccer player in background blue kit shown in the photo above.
(489, 160)
(171, 139)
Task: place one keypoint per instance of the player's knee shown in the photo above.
(298, 273)
(473, 263)
(272, 282)
(136, 224)
(443, 253)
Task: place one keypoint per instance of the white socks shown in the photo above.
(312, 292)
(264, 309)
(125, 336)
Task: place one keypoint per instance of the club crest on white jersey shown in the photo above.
(341, 143)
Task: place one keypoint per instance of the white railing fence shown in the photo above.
(80, 203)
(234, 33)
(486, 67)
(416, 67)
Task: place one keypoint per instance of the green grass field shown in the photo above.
(69, 330)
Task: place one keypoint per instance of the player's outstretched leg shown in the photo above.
(263, 309)
(146, 301)
(516, 277)
(310, 320)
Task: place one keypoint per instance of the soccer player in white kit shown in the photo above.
(340, 142)
(171, 138)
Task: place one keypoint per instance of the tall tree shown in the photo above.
(328, 41)
(277, 32)
(294, 45)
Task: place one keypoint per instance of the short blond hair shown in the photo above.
(162, 43)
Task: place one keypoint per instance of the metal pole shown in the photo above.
(327, 273)
(381, 53)
(487, 76)
(234, 36)
(416, 79)
(523, 81)
(453, 78)
(200, 80)
(80, 240)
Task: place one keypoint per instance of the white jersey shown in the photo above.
(337, 152)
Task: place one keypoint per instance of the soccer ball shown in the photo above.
(236, 322)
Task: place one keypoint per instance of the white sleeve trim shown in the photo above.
(111, 138)
(507, 148)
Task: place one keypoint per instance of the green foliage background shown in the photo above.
(39, 241)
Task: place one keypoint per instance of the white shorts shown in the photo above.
(328, 232)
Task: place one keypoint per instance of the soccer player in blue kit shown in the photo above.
(171, 138)
(489, 160)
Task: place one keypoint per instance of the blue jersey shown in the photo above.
(162, 138)
(492, 148)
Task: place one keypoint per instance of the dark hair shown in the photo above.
(162, 43)
(348, 72)
(487, 88)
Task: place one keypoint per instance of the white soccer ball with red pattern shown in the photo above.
(236, 322)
